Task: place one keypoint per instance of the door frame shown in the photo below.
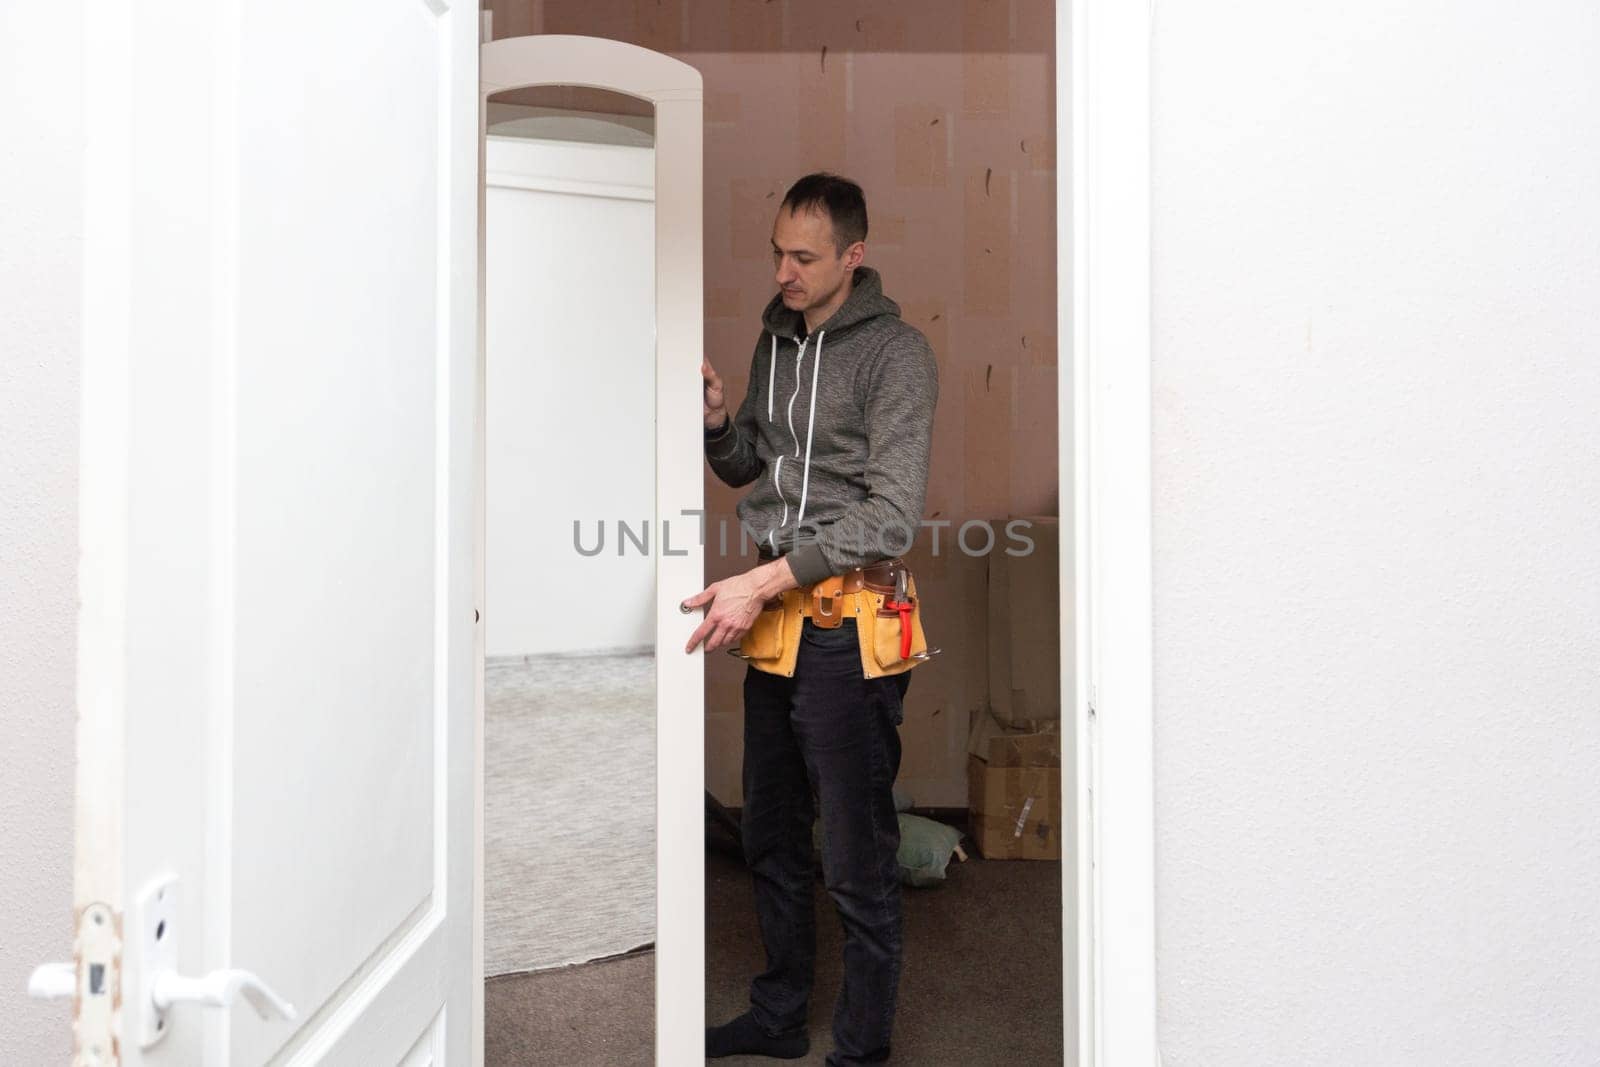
(1103, 245)
(1103, 119)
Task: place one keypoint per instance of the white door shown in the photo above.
(675, 92)
(277, 638)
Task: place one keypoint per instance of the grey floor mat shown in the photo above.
(569, 809)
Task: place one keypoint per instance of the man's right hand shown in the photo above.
(716, 407)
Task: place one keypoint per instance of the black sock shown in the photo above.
(745, 1036)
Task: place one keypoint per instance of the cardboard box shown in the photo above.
(1014, 791)
(1025, 623)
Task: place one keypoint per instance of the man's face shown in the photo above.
(810, 271)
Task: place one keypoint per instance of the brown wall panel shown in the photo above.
(921, 146)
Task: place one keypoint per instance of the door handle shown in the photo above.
(219, 989)
(157, 926)
(53, 981)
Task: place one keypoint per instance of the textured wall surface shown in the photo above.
(1377, 540)
(40, 159)
(944, 111)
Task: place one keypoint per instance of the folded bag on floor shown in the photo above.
(925, 849)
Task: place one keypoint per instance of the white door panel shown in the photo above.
(676, 91)
(278, 640)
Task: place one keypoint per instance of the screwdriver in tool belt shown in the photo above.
(903, 606)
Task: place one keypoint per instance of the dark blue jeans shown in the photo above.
(831, 731)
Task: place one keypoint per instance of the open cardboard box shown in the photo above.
(1014, 788)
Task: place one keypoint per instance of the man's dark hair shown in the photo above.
(840, 197)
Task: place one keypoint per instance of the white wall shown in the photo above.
(570, 272)
(40, 161)
(1377, 532)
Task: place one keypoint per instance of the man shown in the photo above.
(834, 432)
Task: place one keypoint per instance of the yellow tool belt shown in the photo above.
(773, 642)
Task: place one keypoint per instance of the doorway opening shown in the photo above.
(1001, 445)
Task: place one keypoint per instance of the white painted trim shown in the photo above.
(225, 271)
(461, 1019)
(1078, 988)
(590, 62)
(105, 432)
(540, 183)
(610, 171)
(480, 466)
(680, 490)
(675, 90)
(1107, 250)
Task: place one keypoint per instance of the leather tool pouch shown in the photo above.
(878, 627)
(764, 639)
(772, 644)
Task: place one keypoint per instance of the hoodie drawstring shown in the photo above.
(772, 375)
(811, 426)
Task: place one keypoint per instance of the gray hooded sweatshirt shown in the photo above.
(834, 431)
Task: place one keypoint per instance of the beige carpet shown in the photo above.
(569, 809)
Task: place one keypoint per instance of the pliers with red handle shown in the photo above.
(903, 605)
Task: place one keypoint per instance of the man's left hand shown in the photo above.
(735, 603)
